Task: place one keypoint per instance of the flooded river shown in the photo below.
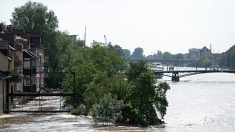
(204, 102)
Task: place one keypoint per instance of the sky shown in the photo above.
(166, 25)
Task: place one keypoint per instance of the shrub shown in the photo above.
(107, 110)
(80, 110)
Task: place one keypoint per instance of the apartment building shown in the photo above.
(21, 62)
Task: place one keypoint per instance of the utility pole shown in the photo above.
(211, 48)
(85, 36)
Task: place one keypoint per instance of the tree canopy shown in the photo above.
(138, 54)
(227, 58)
(102, 75)
(34, 16)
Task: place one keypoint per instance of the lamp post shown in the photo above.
(40, 70)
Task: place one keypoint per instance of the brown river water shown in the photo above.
(204, 102)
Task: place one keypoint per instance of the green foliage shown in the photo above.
(80, 110)
(101, 84)
(167, 55)
(160, 98)
(59, 47)
(205, 62)
(227, 59)
(92, 65)
(230, 54)
(126, 53)
(138, 54)
(116, 49)
(59, 53)
(179, 56)
(146, 99)
(35, 17)
(108, 109)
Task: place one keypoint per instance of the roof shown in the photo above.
(31, 54)
(12, 48)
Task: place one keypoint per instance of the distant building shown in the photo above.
(205, 52)
(196, 54)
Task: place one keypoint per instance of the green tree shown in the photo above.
(104, 84)
(62, 50)
(138, 54)
(93, 66)
(126, 53)
(100, 77)
(84, 73)
(166, 55)
(115, 49)
(179, 56)
(108, 109)
(146, 97)
(227, 59)
(205, 62)
(35, 17)
(231, 57)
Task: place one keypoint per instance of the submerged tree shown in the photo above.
(146, 99)
(108, 109)
(103, 82)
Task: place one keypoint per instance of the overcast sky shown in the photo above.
(166, 25)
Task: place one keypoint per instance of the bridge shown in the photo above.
(174, 62)
(175, 74)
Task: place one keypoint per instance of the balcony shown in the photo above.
(30, 71)
(30, 88)
(15, 78)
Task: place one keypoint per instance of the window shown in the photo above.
(27, 80)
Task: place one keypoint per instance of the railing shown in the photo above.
(32, 70)
(29, 88)
(175, 73)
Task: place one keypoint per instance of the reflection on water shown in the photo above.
(203, 102)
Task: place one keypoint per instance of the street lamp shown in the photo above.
(40, 70)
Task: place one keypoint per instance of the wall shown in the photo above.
(3, 62)
(1, 96)
(3, 67)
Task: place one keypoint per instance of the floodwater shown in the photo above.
(204, 102)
